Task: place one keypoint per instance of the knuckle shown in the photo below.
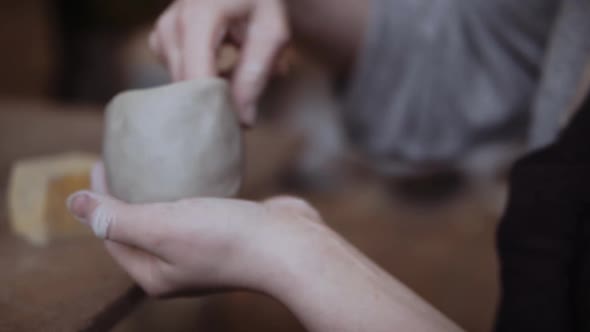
(161, 24)
(298, 205)
(306, 208)
(153, 290)
(282, 34)
(155, 283)
(295, 201)
(290, 201)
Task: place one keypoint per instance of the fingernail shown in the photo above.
(88, 208)
(79, 205)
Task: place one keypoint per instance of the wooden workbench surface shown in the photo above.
(71, 285)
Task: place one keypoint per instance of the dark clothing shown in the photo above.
(544, 237)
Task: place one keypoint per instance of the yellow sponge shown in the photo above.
(38, 189)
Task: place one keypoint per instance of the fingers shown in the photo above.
(165, 41)
(295, 206)
(92, 210)
(186, 39)
(267, 34)
(204, 27)
(132, 236)
(147, 270)
(188, 36)
(141, 226)
(98, 179)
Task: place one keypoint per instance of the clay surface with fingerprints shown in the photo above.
(173, 142)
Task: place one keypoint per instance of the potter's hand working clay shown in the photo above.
(187, 37)
(173, 142)
(278, 247)
(188, 33)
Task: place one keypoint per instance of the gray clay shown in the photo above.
(173, 142)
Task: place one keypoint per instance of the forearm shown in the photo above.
(331, 286)
(331, 29)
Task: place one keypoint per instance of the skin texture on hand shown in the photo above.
(279, 247)
(188, 35)
(334, 287)
(194, 245)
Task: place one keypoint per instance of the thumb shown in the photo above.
(93, 210)
(114, 220)
(98, 179)
(295, 206)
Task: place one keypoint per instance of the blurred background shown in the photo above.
(63, 60)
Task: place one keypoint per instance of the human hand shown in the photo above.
(278, 247)
(188, 34)
(197, 245)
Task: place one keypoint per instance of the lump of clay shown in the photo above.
(173, 142)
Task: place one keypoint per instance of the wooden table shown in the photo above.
(71, 285)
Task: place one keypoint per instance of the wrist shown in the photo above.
(331, 286)
(298, 259)
(257, 260)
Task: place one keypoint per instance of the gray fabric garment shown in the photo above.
(565, 67)
(441, 79)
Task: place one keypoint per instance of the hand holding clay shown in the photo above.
(188, 35)
(279, 247)
(173, 142)
(197, 245)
